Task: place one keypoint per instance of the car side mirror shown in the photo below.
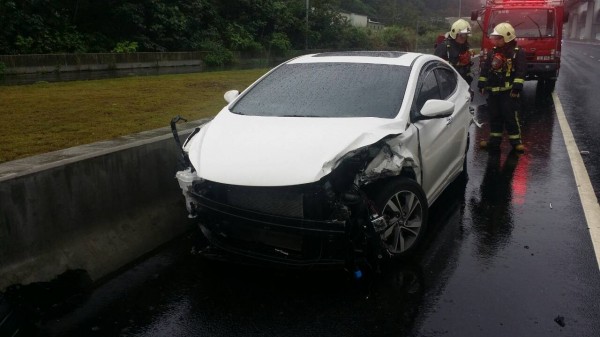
(231, 95)
(436, 108)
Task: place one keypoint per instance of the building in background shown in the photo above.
(359, 20)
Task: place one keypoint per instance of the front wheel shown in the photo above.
(550, 85)
(546, 86)
(403, 204)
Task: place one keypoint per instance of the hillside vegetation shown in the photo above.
(218, 26)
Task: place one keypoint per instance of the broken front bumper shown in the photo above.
(272, 238)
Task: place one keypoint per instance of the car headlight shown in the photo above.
(344, 176)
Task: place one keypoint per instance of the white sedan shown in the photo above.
(328, 158)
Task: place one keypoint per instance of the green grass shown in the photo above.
(46, 117)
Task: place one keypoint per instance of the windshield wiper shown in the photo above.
(297, 116)
(536, 24)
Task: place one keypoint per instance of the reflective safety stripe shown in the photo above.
(495, 134)
(482, 79)
(507, 86)
(514, 136)
(518, 123)
(519, 80)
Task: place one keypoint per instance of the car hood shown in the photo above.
(279, 151)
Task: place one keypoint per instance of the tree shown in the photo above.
(218, 26)
(31, 27)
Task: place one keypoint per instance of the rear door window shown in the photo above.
(447, 80)
(430, 89)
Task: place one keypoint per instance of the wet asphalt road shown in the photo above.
(577, 89)
(508, 254)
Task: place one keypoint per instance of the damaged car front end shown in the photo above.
(316, 178)
(333, 221)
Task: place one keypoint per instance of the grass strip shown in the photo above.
(45, 117)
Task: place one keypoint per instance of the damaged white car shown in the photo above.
(329, 158)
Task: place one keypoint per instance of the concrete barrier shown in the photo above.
(43, 63)
(95, 207)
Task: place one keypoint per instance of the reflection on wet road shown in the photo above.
(492, 214)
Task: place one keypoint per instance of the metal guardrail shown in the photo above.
(37, 60)
(45, 63)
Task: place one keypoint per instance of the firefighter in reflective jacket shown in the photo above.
(502, 77)
(456, 49)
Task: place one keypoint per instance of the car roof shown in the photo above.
(375, 57)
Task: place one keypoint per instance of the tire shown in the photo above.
(403, 204)
(550, 85)
(545, 86)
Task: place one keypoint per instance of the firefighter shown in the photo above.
(456, 49)
(502, 77)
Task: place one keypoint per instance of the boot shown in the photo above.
(519, 148)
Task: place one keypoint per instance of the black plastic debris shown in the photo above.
(560, 320)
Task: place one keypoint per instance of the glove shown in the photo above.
(514, 93)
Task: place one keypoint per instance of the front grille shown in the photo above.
(289, 225)
(301, 201)
(530, 56)
(275, 201)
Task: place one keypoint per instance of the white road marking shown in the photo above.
(591, 208)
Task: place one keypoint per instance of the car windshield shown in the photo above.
(526, 22)
(327, 90)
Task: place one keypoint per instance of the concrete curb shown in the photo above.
(95, 207)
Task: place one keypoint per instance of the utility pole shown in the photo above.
(417, 37)
(459, 8)
(306, 34)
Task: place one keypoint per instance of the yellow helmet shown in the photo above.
(460, 27)
(505, 30)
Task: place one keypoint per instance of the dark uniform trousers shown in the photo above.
(504, 112)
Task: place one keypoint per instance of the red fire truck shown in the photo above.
(538, 24)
